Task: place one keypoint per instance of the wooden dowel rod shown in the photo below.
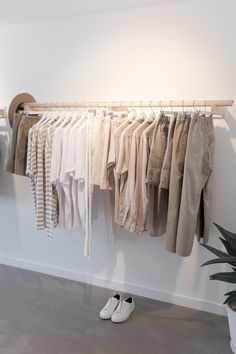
(143, 104)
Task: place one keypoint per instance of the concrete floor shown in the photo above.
(40, 314)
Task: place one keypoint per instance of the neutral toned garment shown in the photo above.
(116, 122)
(73, 153)
(10, 162)
(117, 177)
(133, 171)
(166, 167)
(22, 143)
(157, 151)
(99, 125)
(65, 180)
(55, 172)
(176, 179)
(123, 165)
(197, 183)
(159, 202)
(102, 137)
(41, 178)
(51, 206)
(31, 163)
(142, 189)
(160, 194)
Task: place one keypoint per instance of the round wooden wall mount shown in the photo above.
(17, 103)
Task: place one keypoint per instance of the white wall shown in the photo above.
(179, 50)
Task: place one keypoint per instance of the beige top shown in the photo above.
(117, 137)
(141, 196)
(132, 174)
(123, 165)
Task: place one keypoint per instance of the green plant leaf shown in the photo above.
(230, 292)
(228, 236)
(228, 259)
(228, 277)
(227, 246)
(215, 251)
(230, 298)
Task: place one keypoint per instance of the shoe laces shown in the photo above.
(120, 307)
(110, 302)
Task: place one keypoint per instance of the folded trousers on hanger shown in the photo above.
(176, 179)
(197, 184)
(22, 142)
(158, 203)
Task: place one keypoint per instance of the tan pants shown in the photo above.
(176, 179)
(158, 205)
(22, 141)
(10, 162)
(197, 184)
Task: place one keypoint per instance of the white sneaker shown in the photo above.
(110, 307)
(124, 310)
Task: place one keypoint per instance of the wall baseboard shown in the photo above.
(156, 294)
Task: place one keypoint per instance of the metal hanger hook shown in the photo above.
(151, 108)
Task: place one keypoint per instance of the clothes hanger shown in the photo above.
(152, 115)
(42, 119)
(67, 119)
(46, 116)
(172, 112)
(162, 111)
(142, 115)
(205, 113)
(131, 116)
(75, 117)
(59, 119)
(50, 117)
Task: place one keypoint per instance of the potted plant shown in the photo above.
(229, 257)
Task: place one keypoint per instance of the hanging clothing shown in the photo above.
(17, 155)
(157, 170)
(176, 178)
(22, 142)
(197, 184)
(10, 162)
(133, 173)
(156, 158)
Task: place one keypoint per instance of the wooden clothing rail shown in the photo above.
(27, 103)
(116, 105)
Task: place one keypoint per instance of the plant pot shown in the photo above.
(232, 328)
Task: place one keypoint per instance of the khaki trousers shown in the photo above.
(158, 205)
(176, 179)
(197, 184)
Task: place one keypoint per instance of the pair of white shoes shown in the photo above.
(117, 310)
